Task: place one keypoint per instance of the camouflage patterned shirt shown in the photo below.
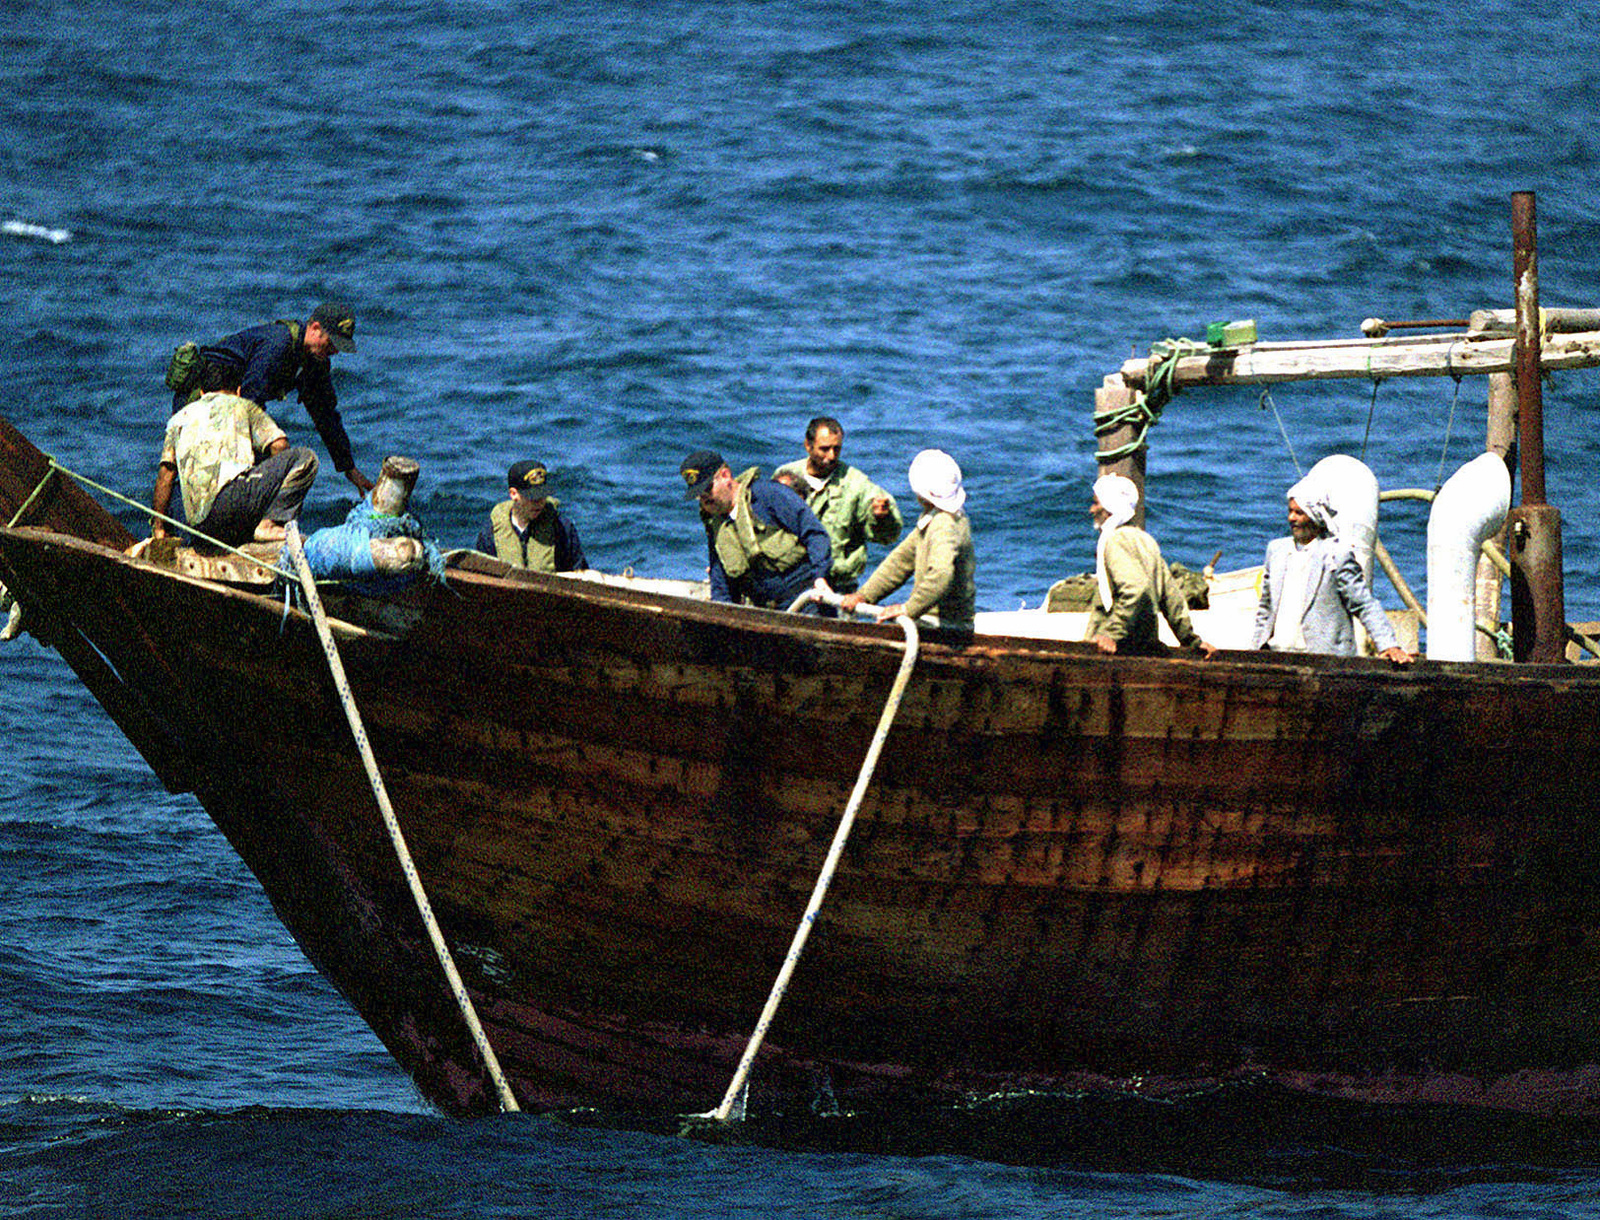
(212, 440)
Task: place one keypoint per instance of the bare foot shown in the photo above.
(270, 531)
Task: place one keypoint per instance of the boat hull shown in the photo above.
(1070, 870)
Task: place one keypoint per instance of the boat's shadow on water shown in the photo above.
(1251, 1134)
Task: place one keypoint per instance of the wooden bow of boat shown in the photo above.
(34, 493)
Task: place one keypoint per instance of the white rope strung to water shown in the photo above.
(891, 705)
(424, 908)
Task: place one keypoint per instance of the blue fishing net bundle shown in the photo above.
(344, 552)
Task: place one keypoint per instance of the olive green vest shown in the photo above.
(539, 552)
(743, 543)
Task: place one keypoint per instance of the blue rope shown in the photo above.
(1268, 401)
(344, 552)
(1450, 424)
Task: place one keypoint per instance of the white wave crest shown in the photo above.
(21, 228)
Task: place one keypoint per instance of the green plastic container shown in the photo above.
(1231, 334)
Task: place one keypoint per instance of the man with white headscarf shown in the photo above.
(937, 553)
(1313, 588)
(1135, 584)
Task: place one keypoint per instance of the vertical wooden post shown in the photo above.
(1501, 436)
(1538, 599)
(1112, 394)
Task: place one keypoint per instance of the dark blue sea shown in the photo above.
(603, 235)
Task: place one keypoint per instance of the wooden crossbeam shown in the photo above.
(1411, 356)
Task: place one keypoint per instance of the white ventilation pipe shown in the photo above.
(1469, 509)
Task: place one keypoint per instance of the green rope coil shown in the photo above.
(1502, 644)
(1144, 412)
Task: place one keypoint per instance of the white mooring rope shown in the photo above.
(819, 891)
(336, 667)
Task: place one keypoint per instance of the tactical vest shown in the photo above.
(539, 552)
(742, 543)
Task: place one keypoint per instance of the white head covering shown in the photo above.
(935, 477)
(1315, 497)
(1119, 496)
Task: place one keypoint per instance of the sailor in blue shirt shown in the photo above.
(263, 363)
(765, 545)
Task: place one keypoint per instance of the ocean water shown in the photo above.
(605, 235)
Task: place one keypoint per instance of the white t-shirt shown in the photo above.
(1288, 634)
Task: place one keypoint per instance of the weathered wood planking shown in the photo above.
(60, 504)
(1411, 356)
(1069, 866)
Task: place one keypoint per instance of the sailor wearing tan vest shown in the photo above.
(937, 554)
(765, 546)
(527, 530)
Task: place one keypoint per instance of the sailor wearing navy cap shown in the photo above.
(527, 530)
(765, 545)
(263, 363)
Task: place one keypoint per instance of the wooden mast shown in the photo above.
(1115, 395)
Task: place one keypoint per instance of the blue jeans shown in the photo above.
(273, 489)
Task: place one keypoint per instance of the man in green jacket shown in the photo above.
(1135, 584)
(852, 508)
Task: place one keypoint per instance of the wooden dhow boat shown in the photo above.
(1068, 869)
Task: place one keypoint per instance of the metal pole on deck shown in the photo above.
(1530, 387)
(1538, 601)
